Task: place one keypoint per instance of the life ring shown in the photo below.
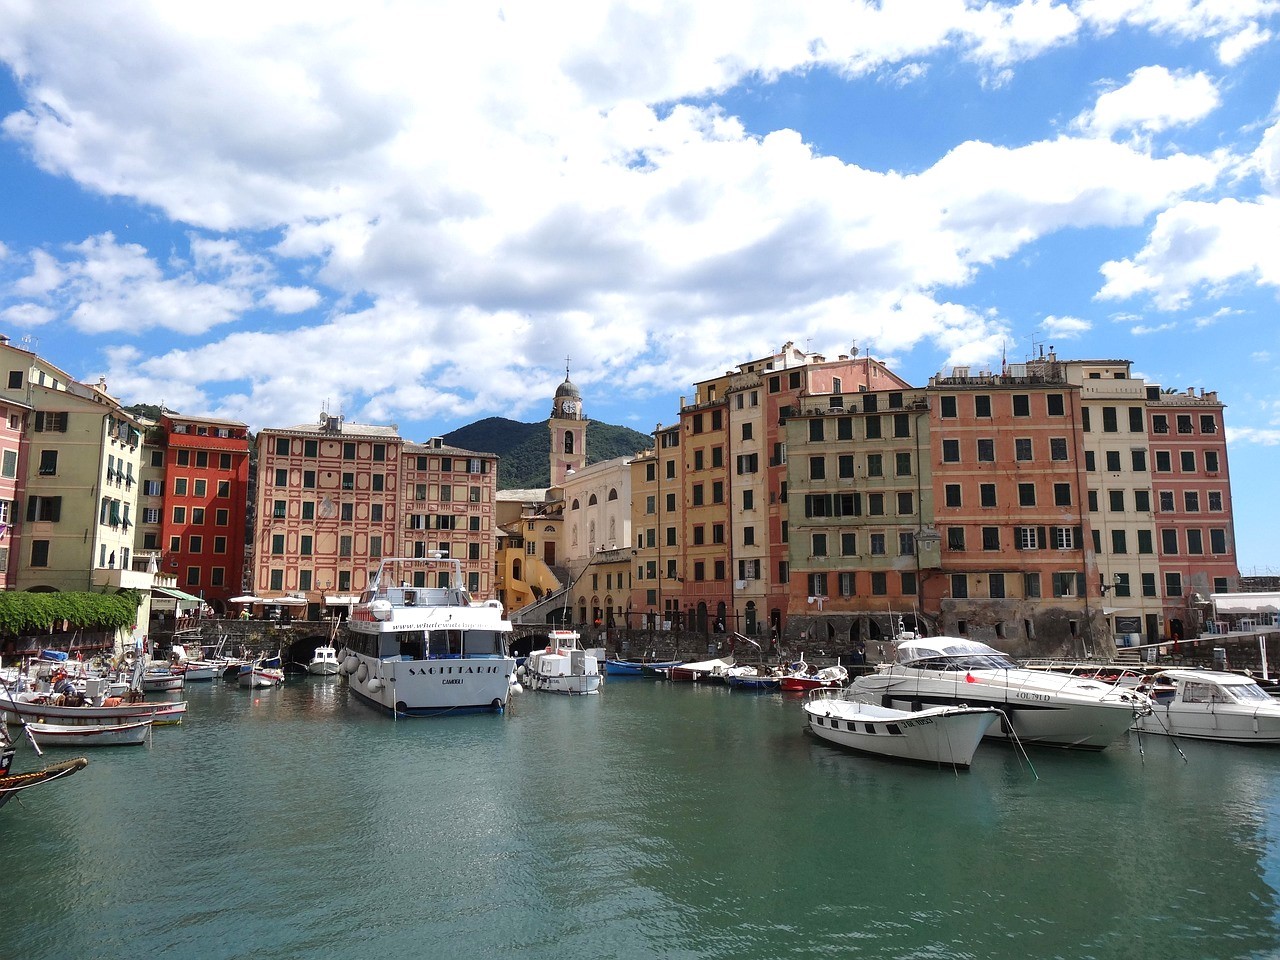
(362, 672)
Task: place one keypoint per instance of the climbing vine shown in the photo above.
(29, 612)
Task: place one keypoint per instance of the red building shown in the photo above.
(205, 491)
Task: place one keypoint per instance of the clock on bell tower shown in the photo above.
(568, 431)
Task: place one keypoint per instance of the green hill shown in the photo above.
(525, 448)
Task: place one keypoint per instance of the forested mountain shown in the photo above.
(525, 448)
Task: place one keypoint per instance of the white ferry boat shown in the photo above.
(419, 646)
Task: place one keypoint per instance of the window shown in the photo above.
(906, 543)
(817, 584)
(950, 451)
(1215, 501)
(197, 516)
(955, 538)
(1169, 541)
(1109, 422)
(195, 544)
(875, 504)
(1031, 585)
(277, 544)
(986, 451)
(902, 464)
(849, 545)
(15, 379)
(179, 486)
(947, 407)
(1065, 538)
(282, 447)
(179, 515)
(1142, 501)
(1145, 542)
(995, 586)
(1028, 538)
(39, 553)
(990, 538)
(1113, 461)
(1022, 448)
(282, 477)
(877, 544)
(304, 545)
(1057, 448)
(879, 583)
(819, 541)
(816, 429)
(1062, 494)
(1065, 584)
(960, 585)
(1217, 541)
(1211, 461)
(987, 494)
(1118, 544)
(1021, 405)
(981, 408)
(817, 468)
(1195, 541)
(344, 545)
(1115, 501)
(1173, 584)
(48, 462)
(1027, 494)
(49, 422)
(952, 492)
(901, 425)
(872, 427)
(1187, 461)
(1191, 501)
(875, 465)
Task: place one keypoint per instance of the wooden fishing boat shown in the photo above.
(79, 735)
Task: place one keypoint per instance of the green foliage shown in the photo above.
(525, 448)
(32, 612)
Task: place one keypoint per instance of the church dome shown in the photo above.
(567, 389)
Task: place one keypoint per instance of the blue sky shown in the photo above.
(412, 213)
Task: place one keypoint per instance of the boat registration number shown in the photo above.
(1032, 696)
(915, 723)
(454, 680)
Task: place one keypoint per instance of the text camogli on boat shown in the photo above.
(426, 650)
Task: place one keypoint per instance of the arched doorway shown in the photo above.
(750, 624)
(700, 617)
(721, 623)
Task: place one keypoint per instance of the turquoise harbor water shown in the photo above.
(656, 820)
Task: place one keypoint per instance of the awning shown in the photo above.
(342, 600)
(180, 596)
(285, 601)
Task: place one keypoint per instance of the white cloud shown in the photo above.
(1143, 330)
(1153, 100)
(1260, 436)
(1234, 48)
(291, 299)
(27, 315)
(1197, 245)
(1065, 328)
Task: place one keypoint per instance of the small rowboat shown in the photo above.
(946, 735)
(90, 735)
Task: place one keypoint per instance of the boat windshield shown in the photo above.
(953, 653)
(973, 661)
(1249, 693)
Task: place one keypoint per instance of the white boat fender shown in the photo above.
(516, 687)
(362, 672)
(375, 685)
(349, 664)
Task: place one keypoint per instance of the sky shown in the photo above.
(414, 212)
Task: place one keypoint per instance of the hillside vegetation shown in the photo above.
(525, 448)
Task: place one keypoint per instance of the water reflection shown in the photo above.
(656, 819)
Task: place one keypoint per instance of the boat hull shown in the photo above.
(325, 668)
(1045, 712)
(159, 712)
(13, 784)
(90, 735)
(941, 735)
(426, 688)
(637, 668)
(261, 679)
(1225, 726)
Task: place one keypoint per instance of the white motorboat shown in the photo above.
(94, 707)
(946, 735)
(163, 680)
(563, 667)
(324, 662)
(79, 735)
(1037, 706)
(427, 650)
(1211, 705)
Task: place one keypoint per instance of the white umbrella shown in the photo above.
(287, 601)
(246, 599)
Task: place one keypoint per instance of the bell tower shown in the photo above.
(568, 431)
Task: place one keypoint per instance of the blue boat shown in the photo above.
(637, 668)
